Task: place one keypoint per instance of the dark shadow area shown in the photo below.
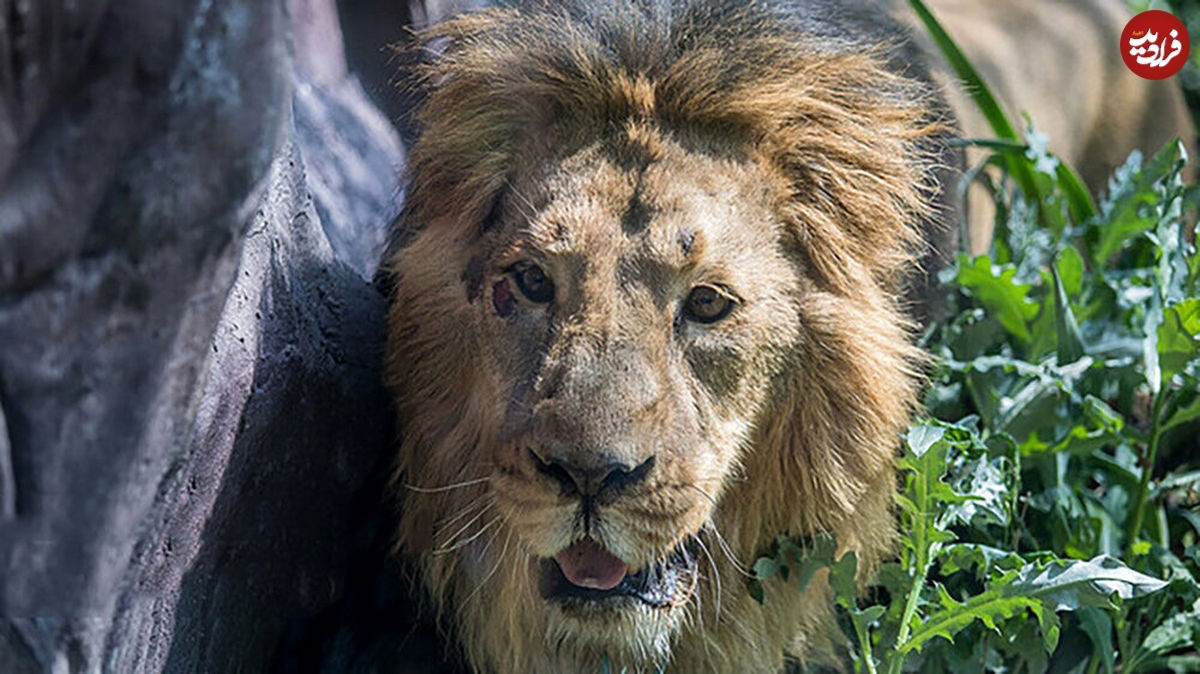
(373, 30)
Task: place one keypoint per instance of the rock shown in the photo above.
(189, 342)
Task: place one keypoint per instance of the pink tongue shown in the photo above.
(586, 564)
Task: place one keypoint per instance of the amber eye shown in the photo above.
(708, 304)
(533, 282)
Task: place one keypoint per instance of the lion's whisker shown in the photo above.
(716, 577)
(487, 546)
(741, 568)
(483, 501)
(726, 550)
(499, 561)
(703, 493)
(477, 534)
(450, 539)
(449, 487)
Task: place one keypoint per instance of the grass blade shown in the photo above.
(976, 89)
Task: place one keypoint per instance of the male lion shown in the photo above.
(647, 318)
(648, 314)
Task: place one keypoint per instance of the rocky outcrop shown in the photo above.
(190, 401)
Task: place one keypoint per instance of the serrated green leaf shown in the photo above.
(1183, 414)
(791, 551)
(1049, 625)
(1180, 632)
(817, 554)
(1102, 429)
(1080, 583)
(842, 579)
(1128, 210)
(1070, 270)
(905, 503)
(792, 558)
(983, 560)
(921, 438)
(954, 616)
(999, 293)
(923, 491)
(1178, 340)
(981, 492)
(1056, 586)
(1103, 415)
(1174, 633)
(869, 614)
(1150, 325)
(1187, 480)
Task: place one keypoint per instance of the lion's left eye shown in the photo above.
(708, 304)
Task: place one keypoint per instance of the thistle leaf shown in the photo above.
(1044, 589)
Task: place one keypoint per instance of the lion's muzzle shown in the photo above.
(588, 573)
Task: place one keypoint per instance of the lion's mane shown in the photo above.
(847, 142)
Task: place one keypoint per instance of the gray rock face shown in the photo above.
(189, 342)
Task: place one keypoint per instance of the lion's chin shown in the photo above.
(624, 631)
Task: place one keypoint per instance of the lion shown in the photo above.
(653, 302)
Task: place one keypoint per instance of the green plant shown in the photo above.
(1050, 507)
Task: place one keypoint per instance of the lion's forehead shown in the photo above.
(679, 212)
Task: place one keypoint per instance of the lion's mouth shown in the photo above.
(586, 572)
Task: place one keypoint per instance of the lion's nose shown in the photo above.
(603, 475)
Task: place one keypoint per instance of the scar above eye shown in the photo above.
(686, 238)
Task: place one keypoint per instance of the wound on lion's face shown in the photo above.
(502, 298)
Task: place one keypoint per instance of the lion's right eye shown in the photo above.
(533, 282)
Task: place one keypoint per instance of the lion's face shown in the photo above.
(636, 314)
(644, 321)
(629, 307)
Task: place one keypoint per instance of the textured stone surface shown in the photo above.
(189, 343)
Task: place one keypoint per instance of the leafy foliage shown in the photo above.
(1050, 506)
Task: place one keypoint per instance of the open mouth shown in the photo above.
(586, 572)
